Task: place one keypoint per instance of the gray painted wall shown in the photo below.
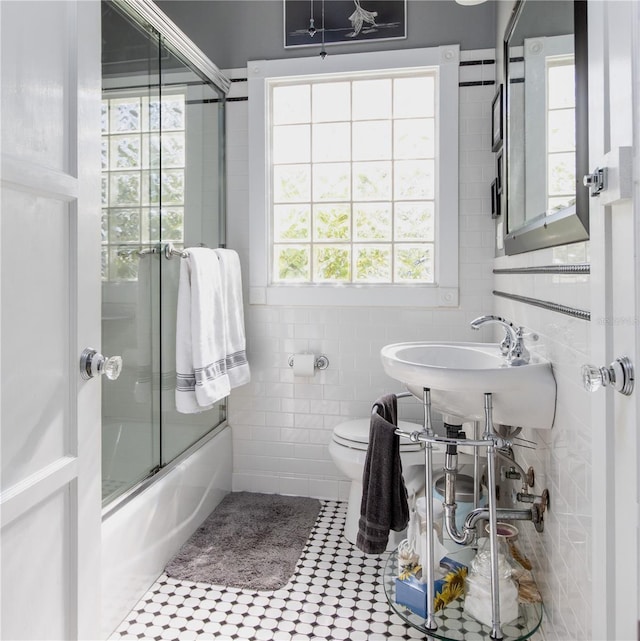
(230, 32)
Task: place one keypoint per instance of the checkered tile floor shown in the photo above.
(335, 593)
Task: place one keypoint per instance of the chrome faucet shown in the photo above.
(512, 345)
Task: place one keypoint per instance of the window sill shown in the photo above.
(355, 295)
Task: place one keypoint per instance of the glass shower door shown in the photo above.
(130, 262)
(163, 185)
(191, 214)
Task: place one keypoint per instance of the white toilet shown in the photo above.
(348, 449)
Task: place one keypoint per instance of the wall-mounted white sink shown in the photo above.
(459, 374)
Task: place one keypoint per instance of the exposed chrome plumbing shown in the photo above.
(494, 442)
(515, 471)
(469, 530)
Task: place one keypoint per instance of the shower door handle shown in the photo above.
(94, 364)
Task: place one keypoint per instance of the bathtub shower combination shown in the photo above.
(163, 190)
(162, 146)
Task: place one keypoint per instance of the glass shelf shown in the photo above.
(453, 623)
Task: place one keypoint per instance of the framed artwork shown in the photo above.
(495, 199)
(499, 165)
(309, 23)
(496, 121)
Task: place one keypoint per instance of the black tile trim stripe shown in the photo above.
(463, 63)
(216, 100)
(470, 63)
(476, 83)
(203, 101)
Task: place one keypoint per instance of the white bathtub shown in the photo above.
(140, 537)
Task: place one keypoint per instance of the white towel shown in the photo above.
(236, 354)
(201, 377)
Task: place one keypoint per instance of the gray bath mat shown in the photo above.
(249, 541)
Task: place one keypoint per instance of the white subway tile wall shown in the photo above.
(562, 458)
(282, 425)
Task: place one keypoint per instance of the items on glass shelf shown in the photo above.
(412, 592)
(439, 550)
(477, 602)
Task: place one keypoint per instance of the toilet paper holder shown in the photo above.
(321, 362)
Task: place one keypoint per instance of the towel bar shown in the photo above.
(400, 395)
(124, 250)
(170, 252)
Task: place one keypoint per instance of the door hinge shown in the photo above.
(596, 182)
(612, 182)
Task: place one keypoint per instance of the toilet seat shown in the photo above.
(355, 434)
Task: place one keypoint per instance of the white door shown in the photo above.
(50, 311)
(614, 60)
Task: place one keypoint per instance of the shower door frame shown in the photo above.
(149, 12)
(148, 16)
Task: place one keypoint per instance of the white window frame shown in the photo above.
(444, 291)
(537, 53)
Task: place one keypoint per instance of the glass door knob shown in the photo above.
(619, 375)
(94, 364)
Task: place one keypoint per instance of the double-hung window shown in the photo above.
(353, 179)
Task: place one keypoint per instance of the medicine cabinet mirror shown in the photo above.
(546, 132)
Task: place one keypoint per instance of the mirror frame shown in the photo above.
(561, 228)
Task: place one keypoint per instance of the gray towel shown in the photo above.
(384, 504)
